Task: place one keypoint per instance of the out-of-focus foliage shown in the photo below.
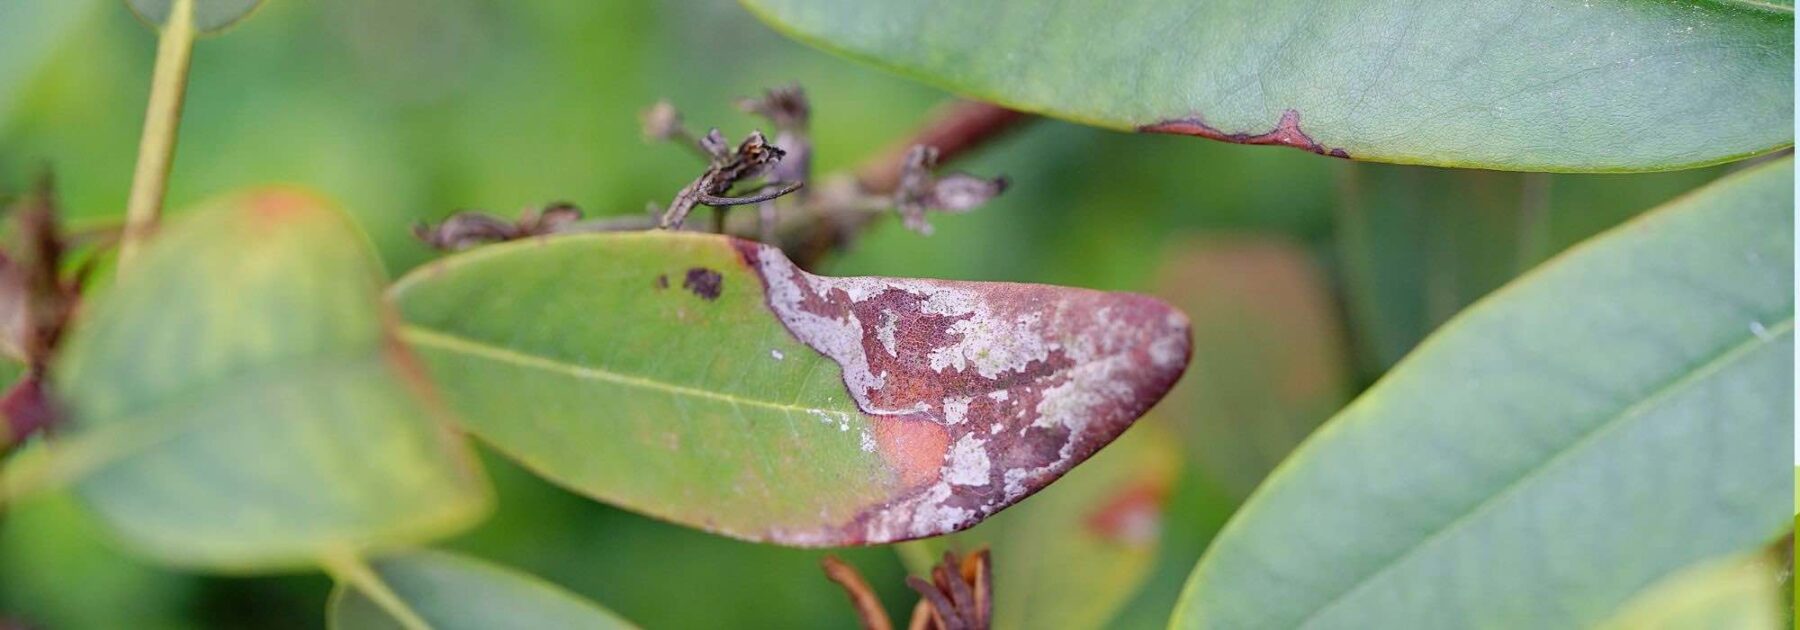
(403, 110)
(453, 592)
(239, 398)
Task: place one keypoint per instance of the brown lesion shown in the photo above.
(703, 282)
(885, 334)
(1286, 133)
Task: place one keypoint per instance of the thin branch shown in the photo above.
(954, 130)
(156, 149)
(719, 202)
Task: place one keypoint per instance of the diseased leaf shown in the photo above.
(1562, 85)
(710, 382)
(453, 592)
(1271, 349)
(245, 402)
(1070, 556)
(1630, 396)
(1733, 594)
(210, 16)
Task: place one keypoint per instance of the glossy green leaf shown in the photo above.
(1269, 355)
(1071, 555)
(709, 382)
(1564, 85)
(241, 402)
(452, 592)
(1734, 594)
(1585, 431)
(210, 16)
(1418, 245)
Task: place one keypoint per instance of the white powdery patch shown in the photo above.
(994, 346)
(923, 514)
(969, 465)
(868, 442)
(838, 339)
(885, 332)
(956, 409)
(777, 355)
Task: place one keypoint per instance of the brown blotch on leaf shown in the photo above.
(1286, 133)
(703, 282)
(662, 281)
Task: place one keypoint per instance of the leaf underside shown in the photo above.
(1563, 85)
(1591, 428)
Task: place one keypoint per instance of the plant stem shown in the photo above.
(955, 129)
(156, 149)
(348, 567)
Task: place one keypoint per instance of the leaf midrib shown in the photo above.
(1711, 366)
(422, 336)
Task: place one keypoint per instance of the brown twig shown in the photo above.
(954, 130)
(868, 606)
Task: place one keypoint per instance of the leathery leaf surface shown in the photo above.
(710, 382)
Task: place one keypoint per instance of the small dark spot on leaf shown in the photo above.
(703, 282)
(662, 281)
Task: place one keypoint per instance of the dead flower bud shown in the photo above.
(466, 229)
(921, 190)
(662, 122)
(785, 106)
(714, 144)
(959, 595)
(962, 192)
(754, 158)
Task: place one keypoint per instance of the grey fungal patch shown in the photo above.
(703, 282)
(1023, 381)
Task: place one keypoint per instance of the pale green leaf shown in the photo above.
(452, 592)
(1591, 428)
(242, 404)
(1557, 85)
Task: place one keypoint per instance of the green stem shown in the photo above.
(348, 567)
(156, 149)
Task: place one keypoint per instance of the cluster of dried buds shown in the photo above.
(757, 171)
(37, 300)
(958, 597)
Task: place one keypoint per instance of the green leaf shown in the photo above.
(451, 592)
(243, 404)
(1589, 429)
(1563, 85)
(210, 16)
(709, 382)
(1271, 355)
(1071, 555)
(1734, 594)
(1420, 244)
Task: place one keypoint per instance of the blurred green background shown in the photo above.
(409, 109)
